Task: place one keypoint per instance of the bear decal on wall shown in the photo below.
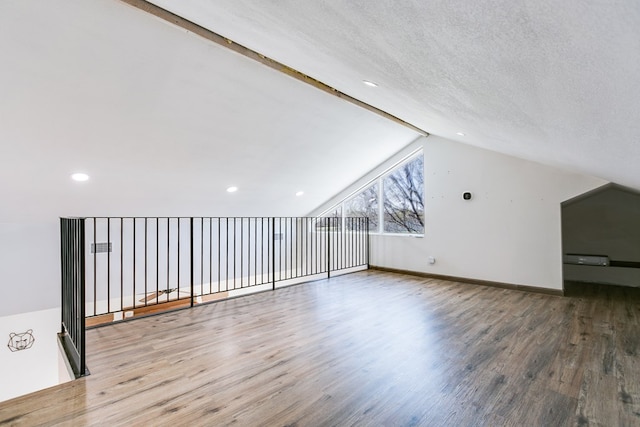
(21, 341)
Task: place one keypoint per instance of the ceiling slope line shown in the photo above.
(207, 34)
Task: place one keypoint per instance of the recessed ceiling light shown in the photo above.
(370, 83)
(232, 189)
(460, 133)
(299, 193)
(80, 177)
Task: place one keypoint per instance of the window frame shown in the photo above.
(347, 200)
(379, 181)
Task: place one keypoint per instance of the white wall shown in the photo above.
(30, 288)
(510, 231)
(35, 368)
(29, 266)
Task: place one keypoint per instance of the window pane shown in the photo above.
(330, 220)
(364, 205)
(404, 198)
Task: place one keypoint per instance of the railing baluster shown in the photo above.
(234, 253)
(168, 262)
(146, 264)
(109, 267)
(241, 251)
(219, 254)
(121, 262)
(228, 256)
(178, 264)
(201, 257)
(273, 251)
(191, 273)
(133, 270)
(146, 300)
(210, 254)
(95, 266)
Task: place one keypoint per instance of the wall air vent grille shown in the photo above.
(97, 248)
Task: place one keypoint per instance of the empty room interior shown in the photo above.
(319, 213)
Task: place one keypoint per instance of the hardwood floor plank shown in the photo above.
(366, 349)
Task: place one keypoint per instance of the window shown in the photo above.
(393, 202)
(331, 219)
(404, 198)
(364, 205)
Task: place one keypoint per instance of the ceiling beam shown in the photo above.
(271, 63)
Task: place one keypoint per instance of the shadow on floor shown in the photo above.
(600, 291)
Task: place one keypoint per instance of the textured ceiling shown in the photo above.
(554, 82)
(163, 121)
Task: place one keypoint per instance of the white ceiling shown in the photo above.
(164, 121)
(551, 81)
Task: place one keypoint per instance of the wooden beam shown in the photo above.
(98, 320)
(157, 308)
(271, 63)
(214, 297)
(133, 312)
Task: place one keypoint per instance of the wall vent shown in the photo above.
(97, 248)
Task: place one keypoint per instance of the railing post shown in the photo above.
(72, 333)
(192, 259)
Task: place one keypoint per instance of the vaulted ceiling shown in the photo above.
(163, 121)
(555, 82)
(154, 113)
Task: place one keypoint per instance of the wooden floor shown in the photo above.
(369, 348)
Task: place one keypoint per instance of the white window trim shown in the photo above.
(379, 179)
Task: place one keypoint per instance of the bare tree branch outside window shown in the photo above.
(331, 220)
(403, 205)
(364, 205)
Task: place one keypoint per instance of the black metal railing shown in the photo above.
(72, 331)
(142, 265)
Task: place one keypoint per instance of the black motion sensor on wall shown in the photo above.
(466, 195)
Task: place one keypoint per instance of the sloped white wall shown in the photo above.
(510, 231)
